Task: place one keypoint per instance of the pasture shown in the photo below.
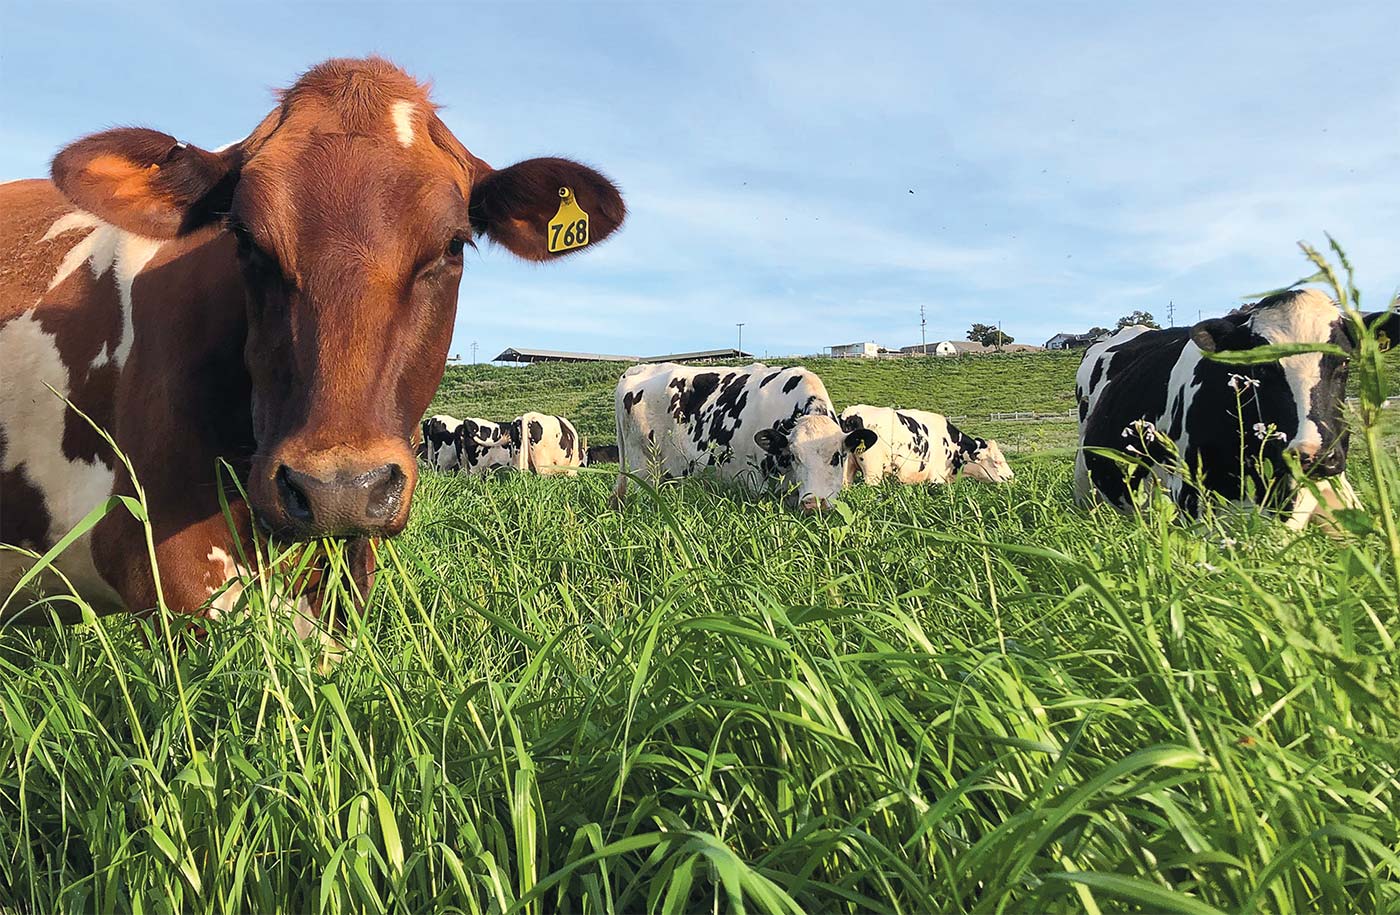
(960, 698)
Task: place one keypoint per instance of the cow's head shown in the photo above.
(484, 447)
(810, 456)
(349, 207)
(982, 460)
(873, 460)
(1299, 397)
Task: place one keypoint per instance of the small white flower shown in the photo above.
(1242, 382)
(1228, 543)
(1132, 450)
(1279, 436)
(1261, 431)
(1208, 567)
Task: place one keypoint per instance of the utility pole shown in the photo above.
(473, 352)
(1171, 313)
(923, 334)
(999, 336)
(740, 325)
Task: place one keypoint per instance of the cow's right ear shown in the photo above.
(147, 182)
(770, 440)
(1214, 335)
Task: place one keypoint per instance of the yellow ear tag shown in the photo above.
(1383, 340)
(860, 449)
(569, 227)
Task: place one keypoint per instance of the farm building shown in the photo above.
(964, 348)
(1069, 341)
(522, 355)
(866, 350)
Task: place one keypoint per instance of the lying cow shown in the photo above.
(546, 445)
(1141, 385)
(920, 447)
(764, 427)
(284, 304)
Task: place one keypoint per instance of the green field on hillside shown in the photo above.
(967, 386)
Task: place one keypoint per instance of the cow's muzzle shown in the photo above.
(341, 502)
(810, 504)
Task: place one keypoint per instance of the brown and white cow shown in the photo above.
(284, 304)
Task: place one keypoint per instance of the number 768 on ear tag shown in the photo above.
(569, 227)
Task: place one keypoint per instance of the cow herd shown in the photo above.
(765, 429)
(259, 328)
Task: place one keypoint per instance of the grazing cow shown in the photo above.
(284, 304)
(600, 454)
(758, 425)
(440, 449)
(1230, 425)
(551, 444)
(483, 446)
(920, 447)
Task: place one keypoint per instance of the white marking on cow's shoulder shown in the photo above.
(105, 248)
(34, 420)
(230, 587)
(402, 114)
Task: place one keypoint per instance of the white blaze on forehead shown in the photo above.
(401, 113)
(1308, 317)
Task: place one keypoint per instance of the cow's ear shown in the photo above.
(1216, 334)
(147, 182)
(1386, 325)
(513, 206)
(860, 439)
(851, 423)
(770, 440)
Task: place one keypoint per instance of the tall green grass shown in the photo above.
(962, 698)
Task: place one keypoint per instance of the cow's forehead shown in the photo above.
(1307, 315)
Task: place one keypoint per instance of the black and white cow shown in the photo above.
(546, 445)
(483, 446)
(763, 427)
(439, 447)
(916, 446)
(600, 454)
(1230, 425)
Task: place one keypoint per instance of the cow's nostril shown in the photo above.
(385, 487)
(294, 499)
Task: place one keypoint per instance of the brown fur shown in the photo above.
(311, 336)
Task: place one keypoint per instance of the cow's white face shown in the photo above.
(811, 458)
(988, 465)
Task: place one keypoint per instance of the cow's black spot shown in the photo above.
(566, 436)
(1097, 374)
(836, 459)
(536, 432)
(768, 378)
(791, 383)
(630, 400)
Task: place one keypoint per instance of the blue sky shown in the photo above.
(819, 171)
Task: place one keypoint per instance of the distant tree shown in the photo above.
(988, 335)
(1138, 317)
(1097, 332)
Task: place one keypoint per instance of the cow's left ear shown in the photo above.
(1216, 334)
(860, 439)
(513, 206)
(770, 440)
(147, 182)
